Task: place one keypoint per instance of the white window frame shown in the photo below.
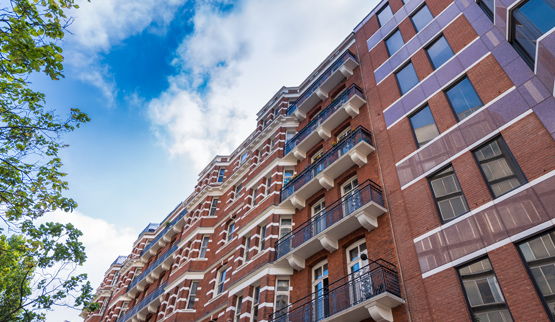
(283, 293)
(254, 196)
(255, 303)
(238, 305)
(268, 185)
(213, 207)
(203, 247)
(282, 226)
(262, 241)
(230, 230)
(220, 281)
(238, 189)
(247, 247)
(192, 296)
(244, 157)
(221, 174)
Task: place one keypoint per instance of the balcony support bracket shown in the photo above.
(152, 309)
(322, 95)
(296, 262)
(330, 244)
(351, 109)
(379, 312)
(299, 115)
(141, 317)
(161, 243)
(176, 229)
(326, 182)
(297, 202)
(140, 287)
(358, 158)
(149, 279)
(367, 221)
(323, 133)
(166, 266)
(346, 71)
(299, 154)
(166, 238)
(151, 252)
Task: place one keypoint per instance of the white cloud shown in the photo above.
(238, 60)
(103, 242)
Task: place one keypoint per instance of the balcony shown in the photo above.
(361, 208)
(346, 105)
(373, 291)
(321, 174)
(342, 68)
(163, 263)
(164, 236)
(146, 306)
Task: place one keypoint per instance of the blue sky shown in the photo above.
(168, 85)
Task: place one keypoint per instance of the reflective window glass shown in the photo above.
(406, 78)
(424, 126)
(421, 18)
(394, 42)
(448, 194)
(439, 52)
(463, 99)
(487, 7)
(385, 14)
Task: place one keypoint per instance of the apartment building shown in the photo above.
(410, 177)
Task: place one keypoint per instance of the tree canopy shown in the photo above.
(37, 261)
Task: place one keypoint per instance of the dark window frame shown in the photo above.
(433, 42)
(381, 10)
(510, 154)
(436, 200)
(414, 12)
(485, 9)
(389, 37)
(397, 78)
(450, 87)
(418, 110)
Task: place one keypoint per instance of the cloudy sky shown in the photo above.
(168, 85)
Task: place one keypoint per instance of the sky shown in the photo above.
(168, 85)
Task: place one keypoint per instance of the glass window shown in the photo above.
(289, 135)
(539, 254)
(448, 194)
(421, 18)
(221, 175)
(463, 99)
(500, 170)
(244, 157)
(394, 42)
(221, 280)
(483, 293)
(288, 176)
(529, 22)
(254, 195)
(213, 207)
(255, 303)
(487, 7)
(424, 126)
(247, 249)
(282, 298)
(238, 190)
(385, 14)
(268, 185)
(192, 295)
(262, 238)
(230, 230)
(407, 79)
(204, 246)
(439, 52)
(238, 309)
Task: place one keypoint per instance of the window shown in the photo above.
(244, 157)
(354, 258)
(262, 238)
(384, 14)
(448, 194)
(483, 293)
(268, 185)
(286, 225)
(289, 135)
(272, 144)
(221, 175)
(539, 254)
(238, 308)
(230, 230)
(319, 219)
(317, 155)
(394, 42)
(247, 250)
(192, 295)
(287, 176)
(238, 190)
(220, 280)
(487, 7)
(500, 170)
(439, 52)
(213, 207)
(320, 284)
(424, 126)
(276, 112)
(255, 303)
(421, 18)
(254, 195)
(123, 310)
(406, 78)
(463, 99)
(529, 22)
(282, 298)
(115, 278)
(204, 247)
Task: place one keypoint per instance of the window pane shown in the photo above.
(394, 42)
(421, 18)
(499, 168)
(424, 126)
(283, 285)
(439, 52)
(464, 99)
(487, 7)
(406, 78)
(385, 14)
(448, 194)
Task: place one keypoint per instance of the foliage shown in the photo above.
(36, 261)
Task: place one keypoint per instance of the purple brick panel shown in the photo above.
(546, 113)
(546, 61)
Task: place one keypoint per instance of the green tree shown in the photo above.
(37, 261)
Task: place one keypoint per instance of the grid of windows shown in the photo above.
(424, 126)
(500, 170)
(539, 254)
(192, 295)
(439, 52)
(448, 194)
(421, 18)
(406, 78)
(385, 14)
(463, 99)
(394, 42)
(483, 293)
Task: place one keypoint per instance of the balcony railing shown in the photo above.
(362, 195)
(168, 227)
(321, 80)
(150, 228)
(371, 280)
(346, 144)
(144, 302)
(316, 122)
(162, 258)
(119, 260)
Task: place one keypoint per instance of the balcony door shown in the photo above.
(321, 290)
(359, 278)
(319, 217)
(350, 196)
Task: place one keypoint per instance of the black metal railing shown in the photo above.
(144, 302)
(152, 267)
(324, 115)
(341, 148)
(363, 194)
(168, 227)
(340, 61)
(377, 277)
